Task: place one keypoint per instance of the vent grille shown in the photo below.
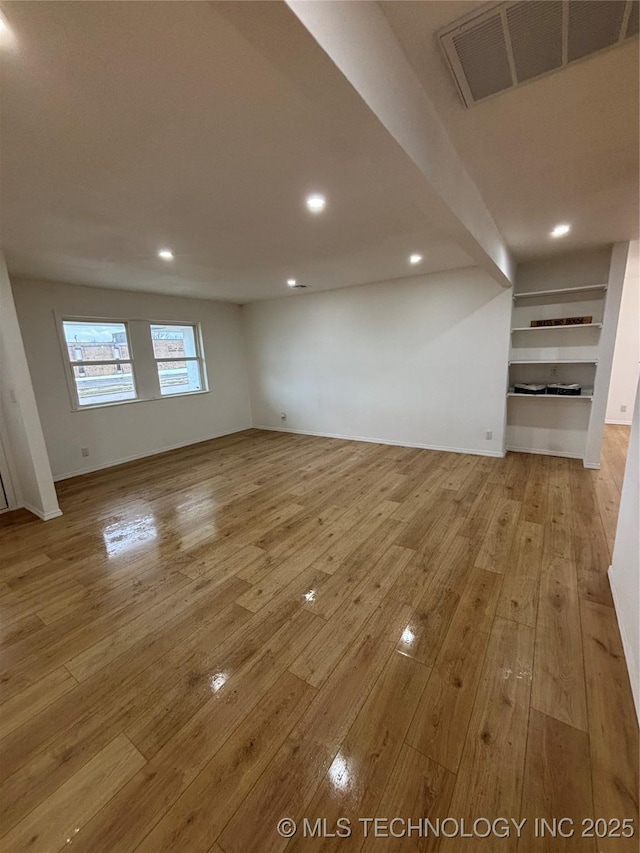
(535, 30)
(521, 40)
(593, 25)
(485, 78)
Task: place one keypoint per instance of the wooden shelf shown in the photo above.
(535, 294)
(555, 361)
(546, 328)
(588, 395)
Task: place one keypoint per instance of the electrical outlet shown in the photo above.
(283, 416)
(623, 408)
(84, 451)
(488, 434)
(554, 370)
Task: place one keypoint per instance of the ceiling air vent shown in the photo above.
(518, 41)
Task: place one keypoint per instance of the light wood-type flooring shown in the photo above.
(272, 625)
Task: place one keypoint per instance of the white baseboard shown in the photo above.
(45, 516)
(391, 442)
(627, 646)
(594, 466)
(68, 474)
(618, 423)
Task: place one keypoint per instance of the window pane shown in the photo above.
(179, 377)
(96, 341)
(104, 383)
(173, 341)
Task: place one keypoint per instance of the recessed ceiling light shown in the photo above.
(560, 230)
(316, 203)
(165, 254)
(291, 282)
(415, 259)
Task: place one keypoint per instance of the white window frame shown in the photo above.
(199, 357)
(144, 370)
(76, 406)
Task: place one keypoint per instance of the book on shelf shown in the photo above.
(555, 388)
(563, 321)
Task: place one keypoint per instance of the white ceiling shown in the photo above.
(127, 127)
(560, 149)
(131, 126)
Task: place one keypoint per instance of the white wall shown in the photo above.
(27, 480)
(625, 568)
(420, 361)
(127, 431)
(626, 356)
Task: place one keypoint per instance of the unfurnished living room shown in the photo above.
(319, 429)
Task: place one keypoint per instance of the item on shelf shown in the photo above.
(563, 321)
(567, 390)
(528, 388)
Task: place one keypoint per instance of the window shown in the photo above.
(102, 371)
(100, 362)
(177, 354)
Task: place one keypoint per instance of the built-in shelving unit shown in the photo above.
(580, 353)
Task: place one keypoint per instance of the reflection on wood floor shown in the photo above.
(271, 625)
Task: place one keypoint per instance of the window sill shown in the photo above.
(92, 407)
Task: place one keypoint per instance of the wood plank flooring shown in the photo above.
(271, 625)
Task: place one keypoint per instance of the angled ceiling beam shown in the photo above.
(359, 40)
